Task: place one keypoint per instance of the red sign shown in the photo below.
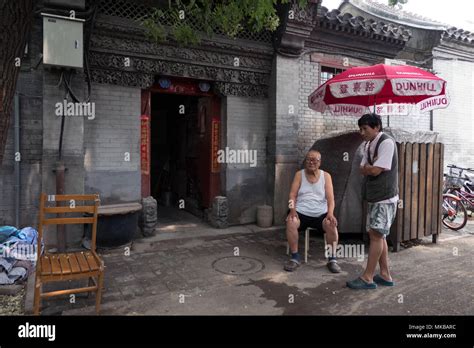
(145, 144)
(215, 166)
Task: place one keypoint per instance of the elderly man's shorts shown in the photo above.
(309, 221)
(380, 217)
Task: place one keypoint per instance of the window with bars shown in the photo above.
(328, 73)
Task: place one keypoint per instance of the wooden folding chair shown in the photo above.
(69, 266)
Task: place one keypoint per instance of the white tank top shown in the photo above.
(311, 199)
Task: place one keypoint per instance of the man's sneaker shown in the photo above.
(334, 267)
(291, 265)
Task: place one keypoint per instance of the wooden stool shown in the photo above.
(306, 243)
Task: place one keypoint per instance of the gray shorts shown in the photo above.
(380, 217)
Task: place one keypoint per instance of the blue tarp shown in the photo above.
(6, 232)
(18, 253)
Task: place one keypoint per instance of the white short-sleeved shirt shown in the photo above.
(383, 160)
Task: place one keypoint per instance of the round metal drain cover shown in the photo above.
(238, 265)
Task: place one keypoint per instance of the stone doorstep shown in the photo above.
(206, 234)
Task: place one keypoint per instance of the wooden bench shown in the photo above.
(73, 265)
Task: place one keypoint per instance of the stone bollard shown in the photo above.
(264, 216)
(218, 213)
(149, 216)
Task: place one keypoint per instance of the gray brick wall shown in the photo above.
(246, 128)
(413, 122)
(7, 182)
(29, 85)
(313, 125)
(283, 133)
(287, 93)
(455, 124)
(310, 123)
(72, 146)
(247, 122)
(114, 131)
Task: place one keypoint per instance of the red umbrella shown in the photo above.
(385, 89)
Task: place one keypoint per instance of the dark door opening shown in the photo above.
(177, 160)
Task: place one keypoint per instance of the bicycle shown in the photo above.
(452, 210)
(458, 194)
(460, 186)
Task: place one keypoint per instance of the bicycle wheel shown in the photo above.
(456, 191)
(454, 214)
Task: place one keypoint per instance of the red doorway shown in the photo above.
(180, 138)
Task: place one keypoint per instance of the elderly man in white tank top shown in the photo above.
(311, 205)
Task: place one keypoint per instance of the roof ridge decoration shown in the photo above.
(408, 18)
(449, 33)
(360, 25)
(459, 35)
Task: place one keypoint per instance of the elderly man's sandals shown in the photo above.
(333, 266)
(291, 265)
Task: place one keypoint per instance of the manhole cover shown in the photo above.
(238, 265)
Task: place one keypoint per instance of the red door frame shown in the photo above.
(211, 180)
(145, 142)
(209, 174)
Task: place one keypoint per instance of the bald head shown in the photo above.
(314, 153)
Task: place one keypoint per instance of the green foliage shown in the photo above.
(396, 2)
(154, 29)
(184, 34)
(186, 21)
(228, 18)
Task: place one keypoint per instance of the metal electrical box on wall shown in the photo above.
(67, 4)
(63, 44)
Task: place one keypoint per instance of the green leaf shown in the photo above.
(229, 17)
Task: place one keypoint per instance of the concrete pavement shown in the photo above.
(241, 274)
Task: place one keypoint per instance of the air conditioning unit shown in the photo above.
(63, 44)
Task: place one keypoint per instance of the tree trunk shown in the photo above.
(16, 18)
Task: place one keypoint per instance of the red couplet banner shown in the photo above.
(215, 166)
(145, 144)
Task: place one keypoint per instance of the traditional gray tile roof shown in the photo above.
(401, 17)
(458, 35)
(361, 26)
(408, 19)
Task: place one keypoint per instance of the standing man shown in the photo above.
(380, 169)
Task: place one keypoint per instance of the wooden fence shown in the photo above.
(420, 175)
(420, 169)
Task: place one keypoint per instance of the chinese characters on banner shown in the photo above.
(215, 166)
(144, 145)
(356, 87)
